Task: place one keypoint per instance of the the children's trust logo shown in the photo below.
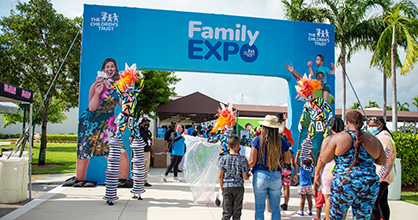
(107, 22)
(320, 37)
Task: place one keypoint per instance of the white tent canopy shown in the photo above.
(9, 107)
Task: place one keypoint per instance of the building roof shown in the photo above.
(198, 107)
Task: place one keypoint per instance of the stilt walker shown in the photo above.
(316, 108)
(125, 88)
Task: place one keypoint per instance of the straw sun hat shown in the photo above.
(270, 121)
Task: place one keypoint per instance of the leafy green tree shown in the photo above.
(157, 90)
(415, 101)
(350, 24)
(299, 10)
(401, 26)
(34, 41)
(372, 104)
(400, 107)
(356, 105)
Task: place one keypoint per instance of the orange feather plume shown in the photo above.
(306, 86)
(226, 117)
(128, 77)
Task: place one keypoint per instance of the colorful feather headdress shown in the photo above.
(128, 77)
(226, 117)
(306, 86)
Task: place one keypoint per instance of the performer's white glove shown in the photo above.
(300, 127)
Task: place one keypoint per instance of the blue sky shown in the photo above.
(252, 89)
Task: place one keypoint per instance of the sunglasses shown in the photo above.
(374, 120)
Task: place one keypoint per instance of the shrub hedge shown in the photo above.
(407, 151)
(61, 138)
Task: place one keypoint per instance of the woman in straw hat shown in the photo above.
(266, 153)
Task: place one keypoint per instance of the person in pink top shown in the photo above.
(377, 127)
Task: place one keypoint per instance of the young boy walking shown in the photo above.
(233, 170)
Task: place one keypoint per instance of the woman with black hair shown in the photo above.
(355, 183)
(386, 173)
(323, 175)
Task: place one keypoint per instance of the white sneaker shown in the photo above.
(164, 177)
(177, 179)
(267, 215)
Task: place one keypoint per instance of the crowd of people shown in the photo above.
(353, 169)
(339, 165)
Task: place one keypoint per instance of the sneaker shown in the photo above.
(284, 206)
(177, 179)
(147, 184)
(70, 181)
(79, 184)
(89, 184)
(121, 182)
(217, 202)
(164, 178)
(300, 213)
(267, 215)
(309, 212)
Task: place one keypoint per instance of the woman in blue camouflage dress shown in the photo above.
(355, 181)
(96, 124)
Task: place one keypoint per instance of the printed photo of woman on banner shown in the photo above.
(97, 125)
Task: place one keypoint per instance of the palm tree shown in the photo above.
(372, 104)
(299, 10)
(348, 17)
(401, 25)
(356, 105)
(415, 101)
(381, 57)
(400, 107)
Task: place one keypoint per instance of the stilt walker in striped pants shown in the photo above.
(125, 88)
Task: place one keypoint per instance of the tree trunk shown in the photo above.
(384, 95)
(343, 83)
(42, 150)
(394, 101)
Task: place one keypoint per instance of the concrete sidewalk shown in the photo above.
(171, 200)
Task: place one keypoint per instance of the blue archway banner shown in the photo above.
(198, 42)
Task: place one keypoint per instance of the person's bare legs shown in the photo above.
(327, 205)
(81, 169)
(268, 206)
(286, 193)
(302, 202)
(309, 198)
(124, 166)
(318, 213)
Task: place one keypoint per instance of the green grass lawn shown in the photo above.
(56, 153)
(411, 197)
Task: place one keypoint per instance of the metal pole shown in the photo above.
(30, 150)
(404, 125)
(354, 91)
(25, 108)
(237, 123)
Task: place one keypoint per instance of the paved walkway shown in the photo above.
(171, 200)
